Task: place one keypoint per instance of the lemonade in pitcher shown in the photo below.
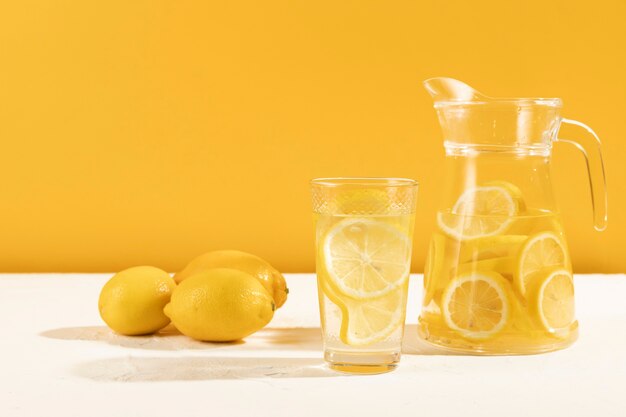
(498, 277)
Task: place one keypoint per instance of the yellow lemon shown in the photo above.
(270, 278)
(131, 303)
(220, 305)
(477, 304)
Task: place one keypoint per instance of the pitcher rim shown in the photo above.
(520, 102)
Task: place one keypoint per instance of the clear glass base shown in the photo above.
(505, 344)
(362, 362)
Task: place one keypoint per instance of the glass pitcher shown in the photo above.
(498, 276)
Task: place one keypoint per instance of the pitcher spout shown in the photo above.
(443, 89)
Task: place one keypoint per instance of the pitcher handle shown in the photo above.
(591, 149)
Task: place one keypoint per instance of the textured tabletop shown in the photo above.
(57, 358)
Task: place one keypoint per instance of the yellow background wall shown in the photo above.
(147, 132)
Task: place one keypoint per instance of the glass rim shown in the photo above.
(364, 182)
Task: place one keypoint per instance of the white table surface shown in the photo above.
(58, 359)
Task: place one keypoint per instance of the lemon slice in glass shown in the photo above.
(366, 258)
(553, 300)
(371, 321)
(482, 211)
(542, 250)
(477, 304)
(365, 322)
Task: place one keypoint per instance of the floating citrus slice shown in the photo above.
(504, 265)
(364, 322)
(433, 268)
(372, 321)
(491, 247)
(542, 250)
(477, 304)
(481, 211)
(514, 190)
(553, 299)
(366, 258)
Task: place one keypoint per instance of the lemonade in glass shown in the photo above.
(364, 229)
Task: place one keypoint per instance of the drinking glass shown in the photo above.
(364, 234)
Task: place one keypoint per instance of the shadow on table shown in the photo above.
(137, 369)
(299, 339)
(307, 338)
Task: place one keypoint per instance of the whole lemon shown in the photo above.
(220, 305)
(272, 280)
(131, 303)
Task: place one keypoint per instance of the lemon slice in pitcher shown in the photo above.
(366, 258)
(477, 304)
(491, 247)
(482, 211)
(502, 265)
(513, 190)
(542, 250)
(433, 268)
(553, 300)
